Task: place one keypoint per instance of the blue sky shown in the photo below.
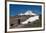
(17, 9)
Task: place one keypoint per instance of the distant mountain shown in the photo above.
(27, 13)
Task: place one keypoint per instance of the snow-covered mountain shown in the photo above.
(27, 13)
(31, 19)
(27, 19)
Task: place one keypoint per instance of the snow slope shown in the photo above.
(31, 19)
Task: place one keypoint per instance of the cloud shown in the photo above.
(27, 13)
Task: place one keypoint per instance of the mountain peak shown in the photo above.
(27, 13)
